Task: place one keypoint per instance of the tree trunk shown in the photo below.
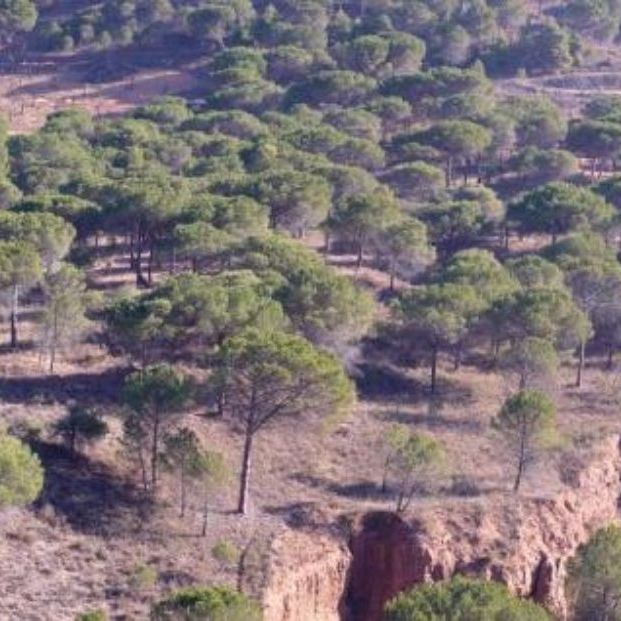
(434, 369)
(205, 517)
(14, 315)
(72, 439)
(182, 483)
(154, 454)
(449, 172)
(150, 263)
(610, 359)
(580, 364)
(387, 464)
(457, 360)
(392, 276)
(244, 483)
(360, 255)
(132, 258)
(521, 463)
(143, 469)
(138, 261)
(53, 343)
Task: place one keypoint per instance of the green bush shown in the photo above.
(144, 577)
(94, 615)
(21, 473)
(206, 604)
(225, 552)
(462, 599)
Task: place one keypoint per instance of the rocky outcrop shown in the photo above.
(307, 578)
(520, 541)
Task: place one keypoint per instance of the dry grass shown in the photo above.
(89, 541)
(27, 99)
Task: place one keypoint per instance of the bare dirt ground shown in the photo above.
(94, 541)
(26, 97)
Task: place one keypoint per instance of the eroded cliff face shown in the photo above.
(523, 542)
(308, 578)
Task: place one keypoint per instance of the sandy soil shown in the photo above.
(26, 98)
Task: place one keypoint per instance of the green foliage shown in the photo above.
(267, 377)
(594, 139)
(21, 473)
(438, 316)
(559, 208)
(462, 598)
(143, 577)
(94, 615)
(225, 552)
(595, 576)
(206, 604)
(533, 360)
(326, 307)
(412, 460)
(80, 425)
(480, 270)
(362, 218)
(155, 398)
(67, 301)
(527, 422)
(17, 16)
(533, 271)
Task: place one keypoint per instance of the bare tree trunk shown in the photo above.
(54, 341)
(143, 469)
(205, 516)
(241, 564)
(150, 263)
(360, 255)
(242, 507)
(449, 172)
(580, 364)
(183, 490)
(434, 369)
(14, 315)
(457, 360)
(154, 454)
(521, 463)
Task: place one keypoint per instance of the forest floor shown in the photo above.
(32, 90)
(95, 541)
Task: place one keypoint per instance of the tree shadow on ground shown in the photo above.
(87, 495)
(381, 382)
(100, 388)
(362, 490)
(433, 418)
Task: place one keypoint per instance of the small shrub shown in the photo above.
(464, 486)
(94, 615)
(225, 552)
(21, 473)
(144, 577)
(206, 604)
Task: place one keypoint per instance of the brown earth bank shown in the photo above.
(524, 542)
